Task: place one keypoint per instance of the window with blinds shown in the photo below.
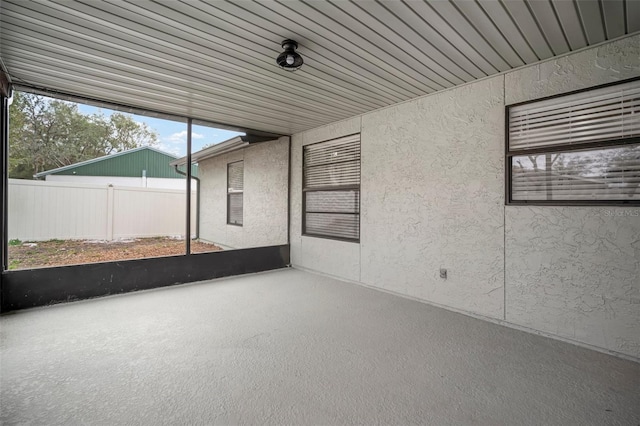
(331, 189)
(581, 148)
(235, 188)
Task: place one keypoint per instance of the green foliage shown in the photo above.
(15, 242)
(46, 133)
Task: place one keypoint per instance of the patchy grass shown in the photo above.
(72, 252)
(15, 242)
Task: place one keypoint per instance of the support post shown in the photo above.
(4, 184)
(187, 235)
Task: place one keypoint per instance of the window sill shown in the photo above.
(326, 237)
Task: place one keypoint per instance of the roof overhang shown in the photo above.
(5, 81)
(214, 61)
(234, 144)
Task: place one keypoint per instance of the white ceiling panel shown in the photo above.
(529, 26)
(214, 60)
(614, 21)
(633, 16)
(476, 17)
(471, 36)
(447, 30)
(547, 19)
(570, 23)
(592, 20)
(434, 44)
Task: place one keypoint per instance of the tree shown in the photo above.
(622, 170)
(46, 133)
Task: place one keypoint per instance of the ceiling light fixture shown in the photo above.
(289, 60)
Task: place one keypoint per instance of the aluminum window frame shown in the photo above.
(231, 192)
(570, 148)
(341, 188)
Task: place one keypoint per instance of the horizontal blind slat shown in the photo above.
(332, 155)
(607, 173)
(333, 174)
(609, 113)
(333, 225)
(617, 115)
(333, 201)
(625, 91)
(235, 208)
(530, 120)
(532, 113)
(608, 133)
(597, 128)
(235, 176)
(326, 165)
(594, 197)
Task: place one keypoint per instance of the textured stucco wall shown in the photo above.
(575, 271)
(266, 171)
(606, 63)
(433, 196)
(336, 258)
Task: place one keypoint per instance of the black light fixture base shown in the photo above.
(289, 60)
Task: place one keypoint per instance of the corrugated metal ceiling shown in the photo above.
(215, 60)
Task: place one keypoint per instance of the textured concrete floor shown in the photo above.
(289, 347)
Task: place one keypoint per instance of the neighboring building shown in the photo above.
(144, 167)
(243, 192)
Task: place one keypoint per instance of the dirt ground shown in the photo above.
(24, 255)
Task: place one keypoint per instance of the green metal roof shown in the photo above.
(129, 163)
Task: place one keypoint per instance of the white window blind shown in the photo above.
(235, 181)
(582, 147)
(604, 114)
(603, 174)
(235, 189)
(331, 192)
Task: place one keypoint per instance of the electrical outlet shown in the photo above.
(443, 273)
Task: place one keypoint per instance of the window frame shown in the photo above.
(331, 188)
(578, 147)
(229, 193)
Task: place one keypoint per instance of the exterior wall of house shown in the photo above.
(432, 196)
(575, 271)
(266, 175)
(336, 258)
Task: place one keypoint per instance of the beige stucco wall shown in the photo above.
(336, 258)
(266, 171)
(433, 197)
(575, 271)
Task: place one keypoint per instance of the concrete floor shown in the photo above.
(289, 347)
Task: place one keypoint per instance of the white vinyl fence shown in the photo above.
(40, 211)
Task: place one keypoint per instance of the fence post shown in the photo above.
(110, 206)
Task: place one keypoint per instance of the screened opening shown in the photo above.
(331, 193)
(235, 188)
(89, 184)
(582, 147)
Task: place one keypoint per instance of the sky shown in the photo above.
(172, 135)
